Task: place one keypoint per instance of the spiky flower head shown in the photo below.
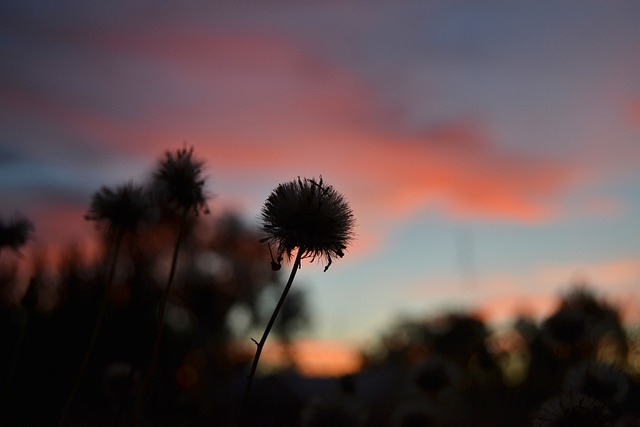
(308, 215)
(15, 232)
(570, 410)
(123, 209)
(601, 381)
(179, 181)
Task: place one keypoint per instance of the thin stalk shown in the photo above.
(161, 314)
(96, 330)
(16, 359)
(272, 320)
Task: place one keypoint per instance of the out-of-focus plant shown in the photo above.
(15, 233)
(178, 184)
(582, 325)
(119, 211)
(572, 410)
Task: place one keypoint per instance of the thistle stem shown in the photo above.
(160, 329)
(274, 315)
(96, 330)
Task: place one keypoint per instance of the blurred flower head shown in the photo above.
(15, 232)
(122, 209)
(569, 410)
(308, 215)
(601, 381)
(179, 182)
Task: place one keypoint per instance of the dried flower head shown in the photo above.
(123, 209)
(15, 233)
(179, 182)
(308, 215)
(598, 380)
(573, 410)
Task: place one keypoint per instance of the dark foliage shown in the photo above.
(196, 370)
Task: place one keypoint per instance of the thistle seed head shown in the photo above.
(15, 233)
(308, 215)
(123, 209)
(179, 181)
(572, 410)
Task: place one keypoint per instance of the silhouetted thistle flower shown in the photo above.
(122, 209)
(15, 233)
(571, 410)
(309, 216)
(179, 181)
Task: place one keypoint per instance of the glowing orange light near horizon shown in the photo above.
(313, 358)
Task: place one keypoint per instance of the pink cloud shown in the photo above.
(634, 112)
(618, 274)
(509, 307)
(501, 296)
(254, 103)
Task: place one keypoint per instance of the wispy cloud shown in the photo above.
(253, 102)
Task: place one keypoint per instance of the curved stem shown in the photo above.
(260, 345)
(160, 329)
(96, 330)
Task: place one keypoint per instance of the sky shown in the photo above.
(489, 150)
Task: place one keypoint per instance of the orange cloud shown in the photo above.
(400, 177)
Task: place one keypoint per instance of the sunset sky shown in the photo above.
(490, 150)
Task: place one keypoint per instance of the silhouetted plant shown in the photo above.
(178, 183)
(121, 210)
(576, 330)
(307, 216)
(600, 381)
(294, 316)
(15, 233)
(28, 303)
(571, 410)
